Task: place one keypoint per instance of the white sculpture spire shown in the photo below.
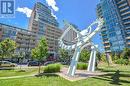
(83, 39)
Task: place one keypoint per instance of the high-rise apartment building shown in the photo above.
(44, 24)
(70, 37)
(115, 31)
(123, 7)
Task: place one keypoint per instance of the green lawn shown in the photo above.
(17, 72)
(104, 80)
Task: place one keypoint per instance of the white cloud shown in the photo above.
(25, 10)
(53, 15)
(52, 4)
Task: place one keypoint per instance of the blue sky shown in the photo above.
(80, 12)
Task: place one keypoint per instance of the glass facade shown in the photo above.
(113, 34)
(44, 14)
(124, 11)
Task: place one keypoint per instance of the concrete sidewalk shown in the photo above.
(80, 74)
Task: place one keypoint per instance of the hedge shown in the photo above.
(122, 61)
(52, 68)
(82, 66)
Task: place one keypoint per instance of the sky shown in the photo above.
(79, 12)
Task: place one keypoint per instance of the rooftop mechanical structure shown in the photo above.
(83, 40)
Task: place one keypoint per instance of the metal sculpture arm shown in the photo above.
(82, 40)
(85, 36)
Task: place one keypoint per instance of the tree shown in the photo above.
(0, 51)
(103, 57)
(40, 52)
(116, 57)
(98, 54)
(84, 56)
(7, 48)
(20, 57)
(64, 56)
(126, 53)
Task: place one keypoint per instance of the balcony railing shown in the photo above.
(122, 5)
(108, 51)
(128, 27)
(127, 37)
(123, 9)
(120, 2)
(106, 42)
(107, 46)
(125, 13)
(128, 22)
(128, 43)
(126, 17)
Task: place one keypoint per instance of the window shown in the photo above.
(112, 34)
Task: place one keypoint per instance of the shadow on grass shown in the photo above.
(6, 68)
(21, 71)
(110, 80)
(114, 78)
(46, 75)
(104, 70)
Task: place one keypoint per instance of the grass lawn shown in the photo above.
(17, 72)
(104, 80)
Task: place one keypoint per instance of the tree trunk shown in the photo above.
(1, 61)
(20, 64)
(39, 68)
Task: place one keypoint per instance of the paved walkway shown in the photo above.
(80, 74)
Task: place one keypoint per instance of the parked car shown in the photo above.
(49, 62)
(33, 63)
(7, 64)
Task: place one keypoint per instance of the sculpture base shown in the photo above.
(80, 74)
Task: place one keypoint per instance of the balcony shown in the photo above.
(120, 2)
(108, 51)
(103, 34)
(128, 43)
(103, 29)
(31, 46)
(105, 42)
(126, 17)
(128, 27)
(122, 5)
(128, 37)
(23, 45)
(127, 32)
(107, 46)
(128, 22)
(125, 13)
(123, 9)
(19, 40)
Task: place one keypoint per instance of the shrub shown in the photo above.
(103, 57)
(82, 66)
(122, 61)
(52, 68)
(84, 55)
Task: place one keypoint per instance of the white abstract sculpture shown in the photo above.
(83, 40)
